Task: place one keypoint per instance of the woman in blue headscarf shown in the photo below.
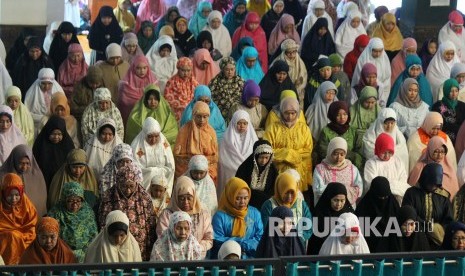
(413, 70)
(236, 16)
(200, 18)
(203, 93)
(244, 42)
(248, 66)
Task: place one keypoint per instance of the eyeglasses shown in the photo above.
(458, 239)
(74, 201)
(439, 152)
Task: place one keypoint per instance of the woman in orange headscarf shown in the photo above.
(18, 219)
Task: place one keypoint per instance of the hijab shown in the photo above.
(59, 47)
(345, 35)
(198, 21)
(317, 112)
(392, 40)
(130, 39)
(69, 73)
(163, 67)
(425, 55)
(221, 37)
(100, 36)
(451, 229)
(233, 20)
(10, 137)
(243, 43)
(271, 89)
(185, 41)
(184, 186)
(361, 117)
(226, 204)
(402, 97)
(367, 69)
(145, 43)
(204, 76)
(333, 111)
(285, 182)
(315, 45)
(150, 10)
(108, 176)
(255, 73)
(278, 35)
(431, 177)
(448, 85)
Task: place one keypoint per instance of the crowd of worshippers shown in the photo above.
(191, 132)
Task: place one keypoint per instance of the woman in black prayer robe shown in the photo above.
(315, 43)
(413, 233)
(65, 35)
(274, 82)
(378, 202)
(260, 177)
(276, 245)
(332, 203)
(18, 48)
(271, 17)
(431, 202)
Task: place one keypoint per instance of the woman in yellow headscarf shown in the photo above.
(275, 115)
(126, 19)
(236, 220)
(389, 32)
(287, 194)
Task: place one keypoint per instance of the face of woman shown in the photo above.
(114, 60)
(23, 165)
(182, 230)
(460, 79)
(157, 191)
(77, 170)
(5, 123)
(278, 8)
(35, 53)
(123, 162)
(250, 62)
(45, 86)
(338, 202)
(412, 92)
(73, 204)
(106, 135)
(127, 187)
(408, 227)
(13, 102)
(376, 53)
(389, 26)
(252, 26)
(215, 23)
(118, 237)
(325, 72)
(131, 48)
(263, 159)
(141, 70)
(148, 32)
(290, 116)
(369, 103)
(185, 72)
(242, 200)
(47, 240)
(288, 28)
(371, 79)
(240, 9)
(435, 130)
(241, 126)
(342, 117)
(281, 76)
(291, 54)
(458, 240)
(288, 197)
(389, 125)
(104, 105)
(414, 71)
(432, 48)
(349, 237)
(439, 154)
(75, 58)
(338, 156)
(201, 119)
(318, 12)
(152, 138)
(181, 27)
(198, 175)
(229, 71)
(322, 31)
(355, 23)
(56, 136)
(186, 202)
(106, 20)
(152, 102)
(454, 93)
(60, 111)
(67, 37)
(253, 102)
(206, 44)
(13, 198)
(329, 96)
(386, 156)
(449, 55)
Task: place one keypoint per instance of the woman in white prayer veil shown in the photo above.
(162, 64)
(374, 53)
(440, 66)
(153, 152)
(39, 96)
(345, 238)
(220, 34)
(349, 30)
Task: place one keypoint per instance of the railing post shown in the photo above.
(151, 272)
(418, 266)
(378, 267)
(232, 271)
(269, 270)
(314, 268)
(440, 266)
(249, 270)
(184, 271)
(199, 271)
(167, 271)
(399, 266)
(357, 267)
(215, 271)
(336, 267)
(291, 269)
(461, 266)
(119, 272)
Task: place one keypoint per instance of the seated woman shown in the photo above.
(48, 247)
(378, 202)
(236, 220)
(350, 60)
(74, 169)
(102, 107)
(409, 107)
(177, 243)
(336, 168)
(454, 237)
(152, 105)
(38, 93)
(390, 33)
(18, 219)
(153, 153)
(286, 194)
(184, 198)
(317, 113)
(162, 58)
(130, 47)
(100, 146)
(274, 82)
(205, 41)
(418, 141)
(282, 241)
(78, 225)
(284, 29)
(274, 116)
(230, 250)
(114, 243)
(83, 94)
(436, 152)
(368, 77)
(22, 162)
(248, 65)
(179, 90)
(72, 70)
(364, 112)
(350, 29)
(205, 68)
(318, 41)
(204, 186)
(259, 172)
(235, 147)
(413, 233)
(345, 239)
(10, 135)
(51, 147)
(451, 109)
(59, 107)
(250, 103)
(386, 163)
(159, 194)
(22, 118)
(333, 202)
(431, 202)
(130, 197)
(339, 126)
(120, 157)
(292, 143)
(386, 123)
(227, 86)
(220, 34)
(243, 43)
(65, 36)
(202, 93)
(399, 64)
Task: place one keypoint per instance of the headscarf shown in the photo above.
(345, 35)
(232, 20)
(317, 112)
(205, 188)
(108, 177)
(392, 40)
(251, 89)
(69, 74)
(333, 244)
(185, 41)
(204, 76)
(285, 183)
(448, 32)
(100, 36)
(425, 55)
(367, 69)
(314, 45)
(278, 35)
(168, 248)
(198, 21)
(125, 18)
(59, 47)
(402, 97)
(151, 10)
(33, 178)
(11, 137)
(255, 73)
(221, 38)
(130, 39)
(431, 177)
(163, 67)
(184, 186)
(334, 144)
(361, 117)
(243, 43)
(101, 250)
(311, 17)
(384, 143)
(451, 229)
(448, 85)
(297, 69)
(398, 63)
(228, 248)
(146, 42)
(226, 204)
(333, 110)
(289, 104)
(260, 7)
(350, 60)
(271, 89)
(49, 156)
(323, 207)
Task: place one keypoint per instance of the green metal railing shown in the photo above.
(446, 263)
